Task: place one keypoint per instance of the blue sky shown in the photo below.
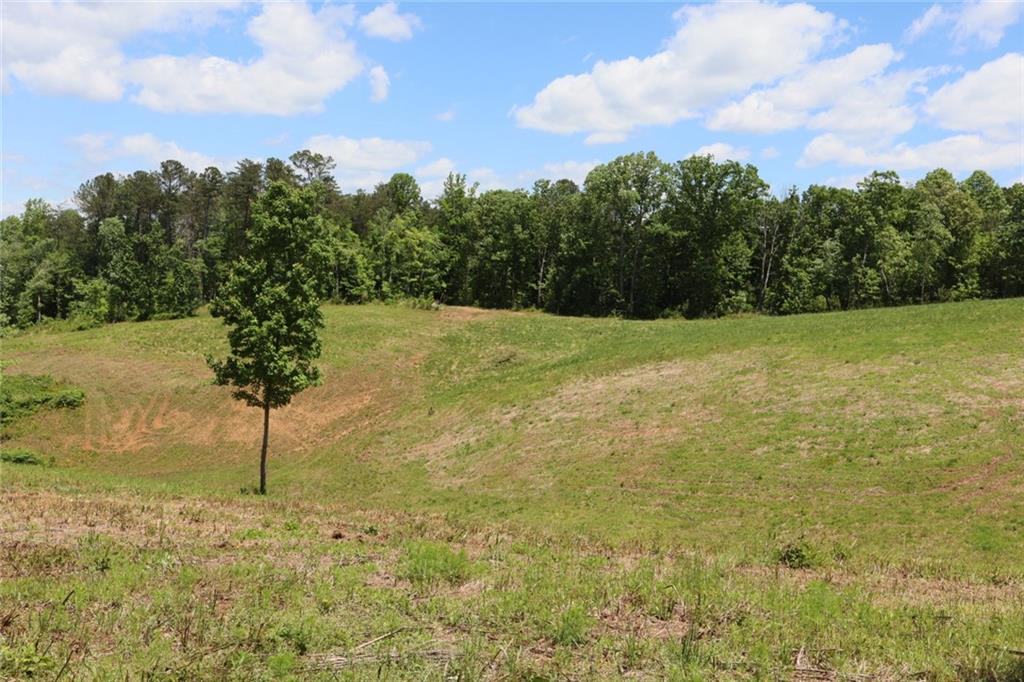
(508, 93)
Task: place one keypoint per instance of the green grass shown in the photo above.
(524, 495)
(23, 395)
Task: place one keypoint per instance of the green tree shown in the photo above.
(713, 214)
(118, 267)
(455, 228)
(178, 291)
(401, 193)
(503, 275)
(407, 258)
(313, 166)
(91, 306)
(625, 198)
(962, 217)
(271, 306)
(929, 242)
(556, 208)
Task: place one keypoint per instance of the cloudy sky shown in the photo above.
(508, 93)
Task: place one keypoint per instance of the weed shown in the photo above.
(572, 626)
(795, 555)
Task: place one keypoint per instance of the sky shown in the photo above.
(509, 92)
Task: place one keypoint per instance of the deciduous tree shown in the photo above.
(271, 306)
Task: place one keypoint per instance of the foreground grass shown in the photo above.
(107, 583)
(529, 496)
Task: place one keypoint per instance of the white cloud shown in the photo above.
(981, 21)
(386, 22)
(432, 176)
(769, 153)
(571, 170)
(723, 151)
(719, 50)
(989, 100)
(380, 83)
(364, 162)
(437, 169)
(956, 153)
(850, 93)
(446, 116)
(144, 147)
(932, 17)
(305, 59)
(986, 21)
(74, 48)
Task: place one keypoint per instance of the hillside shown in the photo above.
(850, 484)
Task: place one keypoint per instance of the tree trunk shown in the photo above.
(263, 450)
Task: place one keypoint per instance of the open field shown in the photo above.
(516, 495)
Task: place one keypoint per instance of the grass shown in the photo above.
(24, 395)
(525, 496)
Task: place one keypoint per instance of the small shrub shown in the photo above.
(422, 303)
(427, 562)
(20, 456)
(24, 395)
(795, 555)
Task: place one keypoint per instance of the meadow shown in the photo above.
(478, 494)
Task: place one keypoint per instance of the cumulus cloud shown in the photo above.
(956, 153)
(305, 58)
(719, 50)
(144, 147)
(387, 22)
(364, 162)
(987, 104)
(723, 151)
(989, 100)
(853, 93)
(380, 84)
(982, 21)
(76, 49)
(446, 116)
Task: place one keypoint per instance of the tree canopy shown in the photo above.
(641, 238)
(270, 303)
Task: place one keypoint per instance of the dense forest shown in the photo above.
(641, 238)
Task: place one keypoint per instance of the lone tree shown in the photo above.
(271, 305)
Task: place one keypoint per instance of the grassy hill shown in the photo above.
(838, 495)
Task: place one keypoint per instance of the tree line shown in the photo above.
(641, 238)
